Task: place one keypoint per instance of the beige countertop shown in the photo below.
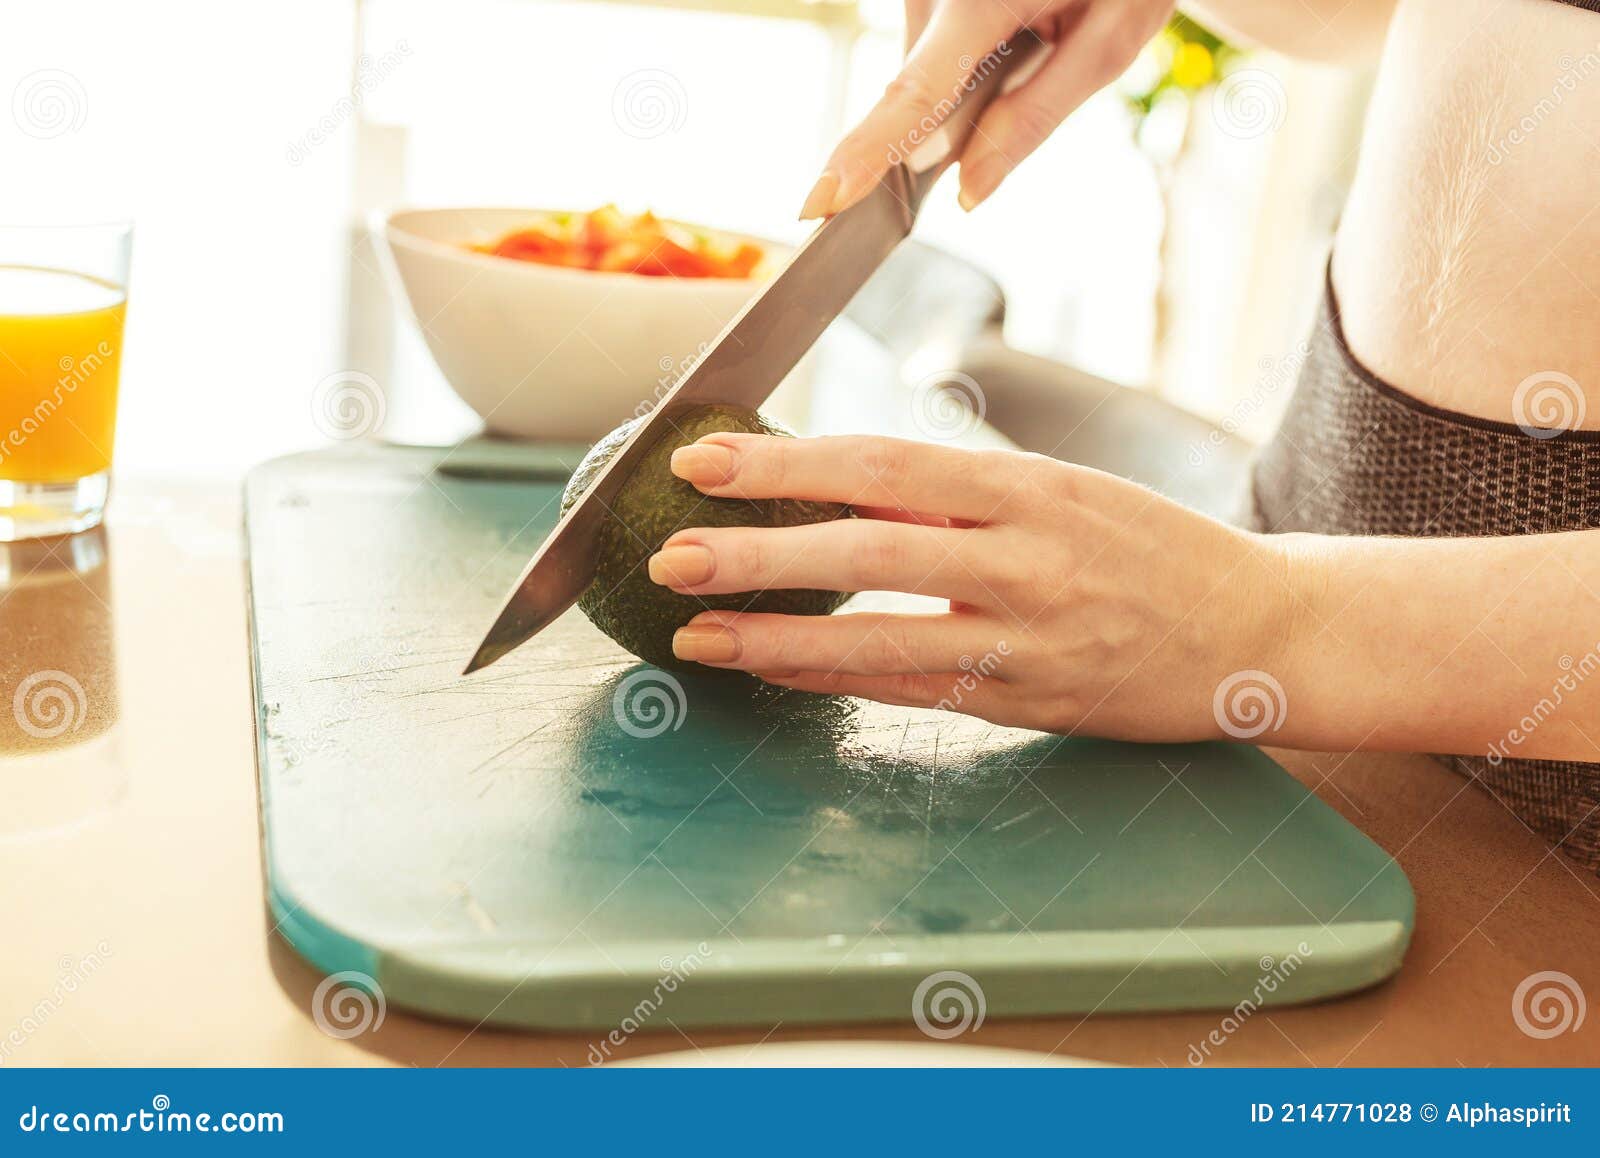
(133, 918)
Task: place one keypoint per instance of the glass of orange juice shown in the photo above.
(63, 294)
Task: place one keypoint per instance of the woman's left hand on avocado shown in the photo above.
(1078, 600)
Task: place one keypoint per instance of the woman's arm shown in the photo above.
(1325, 30)
(1471, 646)
(1080, 602)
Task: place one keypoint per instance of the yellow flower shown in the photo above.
(1192, 66)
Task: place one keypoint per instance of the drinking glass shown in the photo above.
(63, 294)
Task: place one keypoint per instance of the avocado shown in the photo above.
(655, 504)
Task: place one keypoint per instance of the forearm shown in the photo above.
(1466, 646)
(1327, 30)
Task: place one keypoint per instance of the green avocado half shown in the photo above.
(655, 504)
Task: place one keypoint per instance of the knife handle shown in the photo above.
(1016, 58)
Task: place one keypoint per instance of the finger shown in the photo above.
(864, 643)
(844, 555)
(1095, 44)
(949, 691)
(876, 472)
(957, 34)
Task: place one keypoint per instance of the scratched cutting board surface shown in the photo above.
(569, 833)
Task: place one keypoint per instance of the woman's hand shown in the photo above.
(1077, 600)
(1083, 603)
(949, 41)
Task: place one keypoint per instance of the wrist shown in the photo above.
(1344, 663)
(1286, 657)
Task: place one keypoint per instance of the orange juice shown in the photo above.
(60, 351)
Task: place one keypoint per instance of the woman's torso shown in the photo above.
(1464, 274)
(1465, 262)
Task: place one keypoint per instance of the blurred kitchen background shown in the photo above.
(1170, 236)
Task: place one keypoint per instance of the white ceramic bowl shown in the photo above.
(545, 352)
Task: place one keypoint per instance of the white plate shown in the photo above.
(858, 1055)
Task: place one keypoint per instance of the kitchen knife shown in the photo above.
(758, 347)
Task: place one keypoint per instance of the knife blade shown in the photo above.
(753, 353)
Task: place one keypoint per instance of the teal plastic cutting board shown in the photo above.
(569, 834)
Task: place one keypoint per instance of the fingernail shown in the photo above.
(706, 643)
(854, 183)
(980, 180)
(775, 676)
(821, 196)
(702, 465)
(685, 566)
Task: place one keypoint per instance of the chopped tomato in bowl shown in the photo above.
(532, 337)
(610, 240)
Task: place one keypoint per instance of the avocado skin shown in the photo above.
(655, 504)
